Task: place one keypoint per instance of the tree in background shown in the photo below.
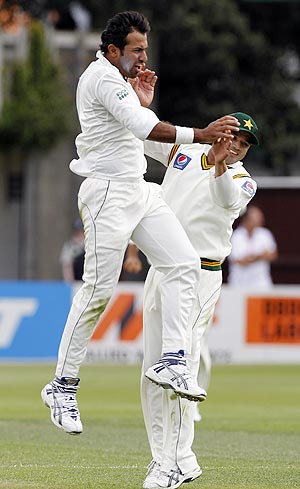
(213, 60)
(278, 19)
(35, 115)
(212, 63)
(216, 57)
(35, 110)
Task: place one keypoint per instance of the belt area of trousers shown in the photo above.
(212, 265)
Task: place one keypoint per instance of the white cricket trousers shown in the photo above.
(169, 419)
(113, 212)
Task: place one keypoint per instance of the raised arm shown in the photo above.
(143, 86)
(218, 154)
(163, 132)
(221, 128)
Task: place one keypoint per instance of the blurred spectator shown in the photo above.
(81, 16)
(253, 249)
(135, 265)
(72, 254)
(12, 17)
(69, 16)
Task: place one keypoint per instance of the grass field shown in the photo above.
(249, 437)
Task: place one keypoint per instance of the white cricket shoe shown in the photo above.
(171, 372)
(60, 396)
(174, 478)
(152, 474)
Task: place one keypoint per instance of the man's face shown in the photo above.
(134, 55)
(239, 147)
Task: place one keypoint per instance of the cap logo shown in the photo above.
(248, 124)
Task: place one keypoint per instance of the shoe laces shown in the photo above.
(173, 476)
(182, 376)
(169, 362)
(173, 359)
(65, 399)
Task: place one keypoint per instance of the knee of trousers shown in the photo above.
(94, 298)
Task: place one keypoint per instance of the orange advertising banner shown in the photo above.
(273, 320)
(121, 311)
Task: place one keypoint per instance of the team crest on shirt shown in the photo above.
(122, 94)
(181, 161)
(248, 186)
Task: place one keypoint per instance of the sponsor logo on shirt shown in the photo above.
(181, 161)
(248, 186)
(122, 94)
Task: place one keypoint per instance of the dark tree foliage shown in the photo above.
(279, 20)
(212, 63)
(34, 7)
(216, 57)
(35, 111)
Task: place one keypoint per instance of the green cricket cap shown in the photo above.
(248, 124)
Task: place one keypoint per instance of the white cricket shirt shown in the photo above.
(258, 273)
(206, 206)
(113, 125)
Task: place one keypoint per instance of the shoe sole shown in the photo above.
(44, 397)
(178, 392)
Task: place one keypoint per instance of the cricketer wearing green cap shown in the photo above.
(248, 124)
(207, 187)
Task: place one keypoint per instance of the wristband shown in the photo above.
(184, 135)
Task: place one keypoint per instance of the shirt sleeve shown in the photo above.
(232, 190)
(119, 98)
(158, 151)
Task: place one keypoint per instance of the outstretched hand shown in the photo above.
(218, 154)
(221, 128)
(220, 150)
(143, 85)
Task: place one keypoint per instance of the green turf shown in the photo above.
(249, 437)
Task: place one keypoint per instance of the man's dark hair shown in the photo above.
(119, 26)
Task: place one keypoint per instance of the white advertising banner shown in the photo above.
(256, 327)
(248, 327)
